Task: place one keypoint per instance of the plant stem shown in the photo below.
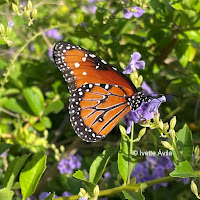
(130, 187)
(130, 153)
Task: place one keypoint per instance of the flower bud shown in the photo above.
(173, 122)
(167, 145)
(2, 29)
(194, 188)
(15, 8)
(82, 192)
(8, 31)
(27, 13)
(96, 191)
(122, 130)
(165, 127)
(53, 146)
(57, 157)
(160, 124)
(140, 79)
(9, 43)
(141, 133)
(34, 13)
(29, 5)
(46, 133)
(196, 152)
(173, 135)
(62, 148)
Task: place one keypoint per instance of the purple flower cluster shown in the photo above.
(152, 168)
(147, 110)
(68, 165)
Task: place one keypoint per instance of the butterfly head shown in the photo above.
(136, 100)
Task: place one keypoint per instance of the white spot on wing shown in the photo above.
(84, 59)
(76, 64)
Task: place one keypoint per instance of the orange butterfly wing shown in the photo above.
(99, 91)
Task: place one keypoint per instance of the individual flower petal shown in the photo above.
(135, 57)
(127, 14)
(139, 12)
(139, 65)
(152, 107)
(147, 90)
(128, 122)
(128, 70)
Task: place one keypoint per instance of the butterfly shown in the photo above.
(100, 94)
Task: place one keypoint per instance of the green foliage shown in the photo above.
(183, 170)
(99, 164)
(31, 174)
(124, 158)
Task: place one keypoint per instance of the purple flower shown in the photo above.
(68, 165)
(107, 176)
(44, 195)
(146, 111)
(152, 168)
(134, 11)
(82, 198)
(147, 90)
(10, 24)
(141, 172)
(135, 63)
(54, 34)
(66, 194)
(4, 154)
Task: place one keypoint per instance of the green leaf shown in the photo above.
(80, 176)
(46, 121)
(31, 174)
(14, 105)
(184, 143)
(177, 6)
(183, 170)
(123, 158)
(182, 50)
(50, 197)
(4, 147)
(6, 194)
(34, 99)
(99, 164)
(54, 106)
(13, 170)
(39, 126)
(131, 195)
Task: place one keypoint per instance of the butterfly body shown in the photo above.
(100, 94)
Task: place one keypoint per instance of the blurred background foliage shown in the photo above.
(34, 96)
